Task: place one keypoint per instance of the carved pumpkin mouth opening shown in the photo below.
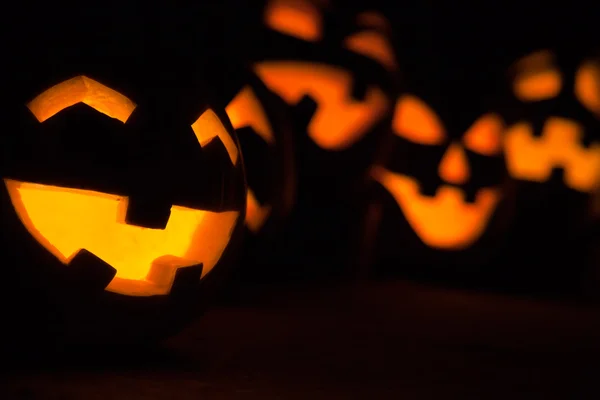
(445, 220)
(452, 209)
(338, 120)
(66, 221)
(558, 148)
(559, 142)
(74, 223)
(468, 193)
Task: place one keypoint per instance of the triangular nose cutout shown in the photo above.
(454, 167)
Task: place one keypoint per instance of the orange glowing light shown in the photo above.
(298, 18)
(208, 126)
(536, 77)
(415, 121)
(246, 110)
(485, 135)
(373, 45)
(445, 220)
(66, 220)
(340, 121)
(454, 167)
(256, 215)
(587, 86)
(374, 20)
(81, 89)
(533, 159)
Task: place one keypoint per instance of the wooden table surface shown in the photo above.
(378, 342)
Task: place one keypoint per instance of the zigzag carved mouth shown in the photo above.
(339, 120)
(444, 220)
(66, 220)
(534, 158)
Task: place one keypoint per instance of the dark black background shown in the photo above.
(332, 345)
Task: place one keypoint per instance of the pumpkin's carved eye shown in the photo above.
(537, 78)
(209, 126)
(299, 18)
(245, 110)
(374, 45)
(415, 121)
(485, 135)
(372, 41)
(339, 120)
(587, 86)
(81, 89)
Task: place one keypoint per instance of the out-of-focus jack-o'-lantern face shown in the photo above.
(245, 110)
(339, 121)
(303, 19)
(264, 139)
(454, 212)
(79, 222)
(343, 113)
(557, 128)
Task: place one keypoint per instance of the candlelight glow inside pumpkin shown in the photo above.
(559, 144)
(243, 111)
(372, 39)
(303, 20)
(299, 18)
(445, 220)
(67, 220)
(340, 121)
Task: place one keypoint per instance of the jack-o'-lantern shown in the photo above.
(264, 133)
(123, 197)
(336, 74)
(265, 141)
(435, 203)
(553, 154)
(320, 63)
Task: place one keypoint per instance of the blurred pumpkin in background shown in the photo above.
(320, 61)
(266, 143)
(264, 132)
(334, 69)
(124, 191)
(436, 209)
(553, 155)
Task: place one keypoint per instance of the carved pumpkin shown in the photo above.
(436, 200)
(263, 129)
(553, 154)
(335, 72)
(312, 66)
(123, 196)
(265, 142)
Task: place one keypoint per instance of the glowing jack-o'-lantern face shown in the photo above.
(262, 128)
(454, 213)
(245, 110)
(341, 116)
(567, 102)
(71, 222)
